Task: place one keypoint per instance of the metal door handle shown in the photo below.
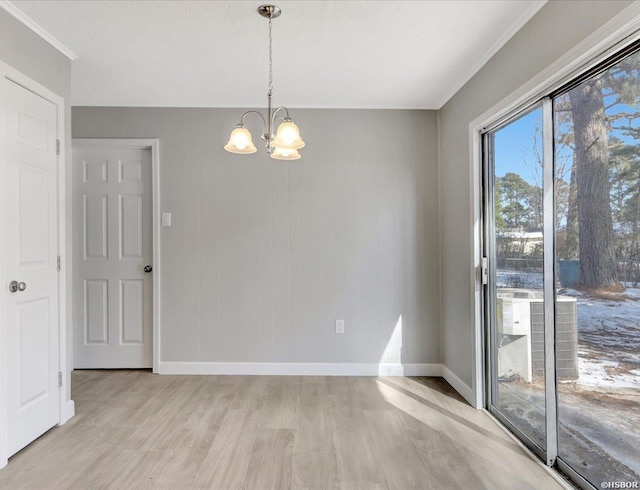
(148, 268)
(15, 286)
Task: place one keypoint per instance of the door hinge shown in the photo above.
(59, 264)
(58, 147)
(485, 270)
(59, 379)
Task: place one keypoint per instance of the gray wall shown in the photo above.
(264, 255)
(554, 30)
(31, 55)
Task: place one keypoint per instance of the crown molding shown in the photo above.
(524, 17)
(10, 8)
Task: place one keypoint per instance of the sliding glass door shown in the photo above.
(597, 167)
(562, 238)
(516, 276)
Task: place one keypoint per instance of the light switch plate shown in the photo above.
(339, 326)
(166, 219)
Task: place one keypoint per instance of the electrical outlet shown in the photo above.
(339, 326)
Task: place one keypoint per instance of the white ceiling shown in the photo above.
(355, 54)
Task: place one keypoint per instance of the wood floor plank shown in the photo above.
(281, 403)
(250, 391)
(358, 461)
(110, 467)
(314, 392)
(402, 465)
(367, 394)
(181, 465)
(314, 430)
(271, 465)
(136, 430)
(443, 460)
(227, 461)
(141, 469)
(315, 471)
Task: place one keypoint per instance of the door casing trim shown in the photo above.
(152, 144)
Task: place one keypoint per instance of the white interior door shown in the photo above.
(30, 262)
(112, 243)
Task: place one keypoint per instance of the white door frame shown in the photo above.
(66, 408)
(153, 145)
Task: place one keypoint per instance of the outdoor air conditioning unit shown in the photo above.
(520, 321)
(566, 338)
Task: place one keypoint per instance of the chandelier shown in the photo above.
(284, 145)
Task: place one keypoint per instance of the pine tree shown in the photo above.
(604, 183)
(598, 267)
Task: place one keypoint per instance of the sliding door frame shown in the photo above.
(614, 37)
(620, 32)
(490, 272)
(549, 258)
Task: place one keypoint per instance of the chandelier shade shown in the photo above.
(284, 145)
(288, 136)
(285, 154)
(240, 142)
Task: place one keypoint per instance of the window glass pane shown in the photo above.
(597, 165)
(518, 323)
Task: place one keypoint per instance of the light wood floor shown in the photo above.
(135, 430)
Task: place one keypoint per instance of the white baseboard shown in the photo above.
(460, 386)
(319, 369)
(68, 412)
(300, 369)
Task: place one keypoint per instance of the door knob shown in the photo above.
(15, 286)
(148, 268)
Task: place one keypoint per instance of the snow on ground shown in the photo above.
(519, 279)
(608, 332)
(609, 338)
(603, 373)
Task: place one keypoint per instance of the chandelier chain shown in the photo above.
(270, 59)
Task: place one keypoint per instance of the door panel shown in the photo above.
(33, 351)
(113, 325)
(598, 263)
(96, 306)
(31, 244)
(516, 279)
(33, 202)
(96, 232)
(131, 227)
(132, 306)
